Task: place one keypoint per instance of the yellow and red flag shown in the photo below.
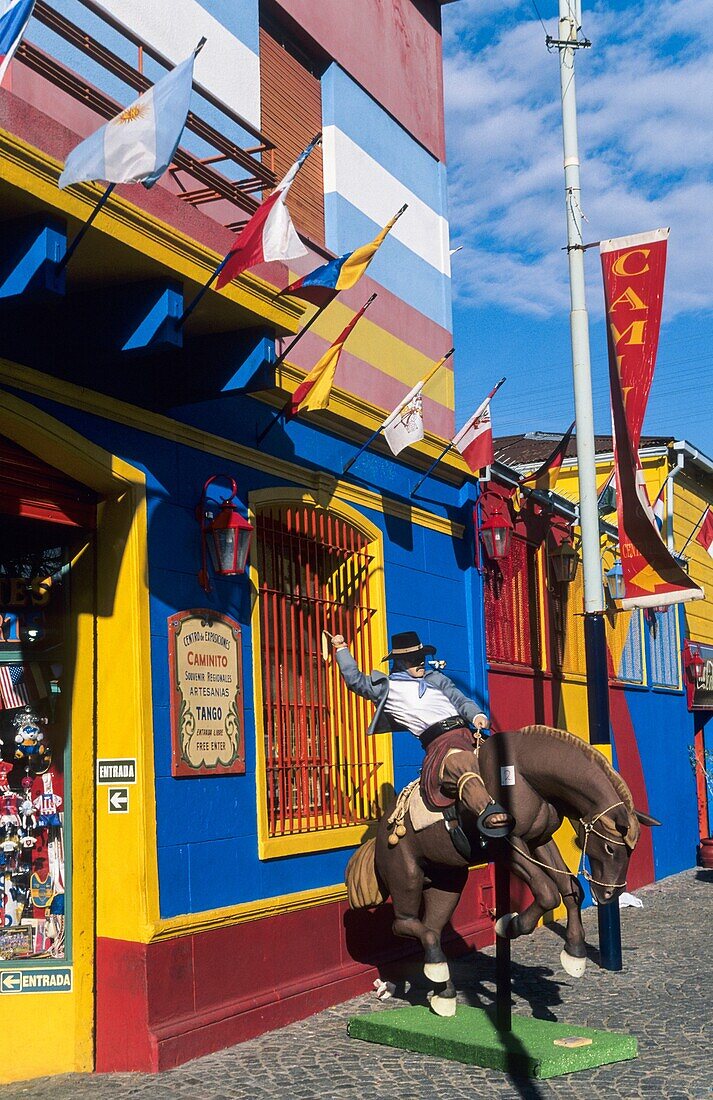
(633, 269)
(705, 535)
(545, 477)
(313, 393)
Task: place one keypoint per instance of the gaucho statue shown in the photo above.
(500, 798)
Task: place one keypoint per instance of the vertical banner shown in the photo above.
(633, 270)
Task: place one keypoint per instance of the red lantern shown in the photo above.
(227, 536)
(695, 665)
(495, 534)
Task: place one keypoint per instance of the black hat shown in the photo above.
(408, 646)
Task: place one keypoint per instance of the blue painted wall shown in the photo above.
(664, 731)
(207, 827)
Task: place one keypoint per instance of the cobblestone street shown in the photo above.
(664, 997)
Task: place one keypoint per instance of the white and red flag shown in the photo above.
(475, 439)
(658, 506)
(14, 17)
(705, 535)
(269, 234)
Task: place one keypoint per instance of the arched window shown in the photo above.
(316, 572)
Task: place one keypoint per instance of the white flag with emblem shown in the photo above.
(407, 427)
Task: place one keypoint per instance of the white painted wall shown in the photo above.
(363, 182)
(225, 66)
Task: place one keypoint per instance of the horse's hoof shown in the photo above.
(437, 972)
(574, 967)
(502, 924)
(443, 1006)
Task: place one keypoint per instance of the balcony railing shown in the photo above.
(198, 181)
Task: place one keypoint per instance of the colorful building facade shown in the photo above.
(535, 637)
(185, 777)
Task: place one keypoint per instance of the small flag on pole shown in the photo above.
(13, 688)
(407, 427)
(270, 234)
(14, 17)
(658, 506)
(475, 439)
(138, 144)
(313, 393)
(705, 535)
(325, 282)
(545, 477)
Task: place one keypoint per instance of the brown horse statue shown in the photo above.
(539, 775)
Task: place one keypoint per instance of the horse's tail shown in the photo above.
(363, 887)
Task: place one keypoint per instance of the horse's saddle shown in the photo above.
(420, 814)
(454, 741)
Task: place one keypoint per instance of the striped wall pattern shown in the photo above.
(372, 166)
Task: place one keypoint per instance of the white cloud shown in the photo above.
(646, 145)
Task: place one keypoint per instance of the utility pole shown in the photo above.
(595, 645)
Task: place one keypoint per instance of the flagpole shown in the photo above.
(595, 642)
(392, 416)
(699, 521)
(281, 412)
(432, 467)
(201, 293)
(445, 451)
(280, 359)
(61, 264)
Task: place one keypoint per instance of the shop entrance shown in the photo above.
(47, 526)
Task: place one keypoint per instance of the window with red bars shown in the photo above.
(316, 572)
(512, 607)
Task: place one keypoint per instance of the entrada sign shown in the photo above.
(56, 979)
(205, 665)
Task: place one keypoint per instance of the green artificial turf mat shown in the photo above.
(472, 1037)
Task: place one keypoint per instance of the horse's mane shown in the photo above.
(601, 761)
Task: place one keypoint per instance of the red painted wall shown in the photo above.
(163, 1003)
(392, 48)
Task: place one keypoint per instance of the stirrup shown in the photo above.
(494, 832)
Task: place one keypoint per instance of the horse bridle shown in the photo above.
(588, 827)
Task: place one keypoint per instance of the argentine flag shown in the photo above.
(138, 145)
(14, 17)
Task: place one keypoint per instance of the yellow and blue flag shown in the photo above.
(325, 282)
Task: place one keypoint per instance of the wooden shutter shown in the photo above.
(291, 98)
(31, 488)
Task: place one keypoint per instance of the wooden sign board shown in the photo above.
(205, 667)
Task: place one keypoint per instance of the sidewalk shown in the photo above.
(664, 997)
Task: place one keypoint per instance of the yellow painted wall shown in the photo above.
(690, 498)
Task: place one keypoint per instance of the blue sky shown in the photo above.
(645, 99)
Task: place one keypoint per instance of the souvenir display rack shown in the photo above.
(33, 745)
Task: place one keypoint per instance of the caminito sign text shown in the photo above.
(205, 663)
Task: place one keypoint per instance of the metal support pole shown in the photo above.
(503, 983)
(594, 632)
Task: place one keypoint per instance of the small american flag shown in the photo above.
(13, 690)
